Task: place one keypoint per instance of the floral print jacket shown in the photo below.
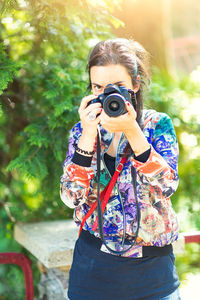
(156, 179)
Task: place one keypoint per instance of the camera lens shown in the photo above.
(114, 105)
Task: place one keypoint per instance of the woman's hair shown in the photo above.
(129, 54)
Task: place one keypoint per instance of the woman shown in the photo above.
(140, 223)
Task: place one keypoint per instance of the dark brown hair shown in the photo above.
(129, 54)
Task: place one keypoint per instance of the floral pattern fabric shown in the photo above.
(156, 181)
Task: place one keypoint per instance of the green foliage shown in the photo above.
(14, 276)
(50, 41)
(180, 99)
(43, 50)
(1, 111)
(189, 261)
(7, 69)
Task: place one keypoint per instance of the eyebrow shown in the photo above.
(112, 83)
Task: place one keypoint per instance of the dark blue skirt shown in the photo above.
(96, 275)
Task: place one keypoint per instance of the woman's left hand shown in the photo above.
(124, 123)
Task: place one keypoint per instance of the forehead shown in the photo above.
(103, 75)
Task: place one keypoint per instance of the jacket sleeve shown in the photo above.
(161, 168)
(75, 183)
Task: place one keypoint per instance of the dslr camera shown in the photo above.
(113, 100)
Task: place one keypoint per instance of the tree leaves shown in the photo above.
(50, 41)
(7, 69)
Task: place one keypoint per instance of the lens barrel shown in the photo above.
(113, 100)
(114, 105)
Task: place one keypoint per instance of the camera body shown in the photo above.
(113, 100)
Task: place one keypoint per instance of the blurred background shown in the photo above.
(44, 46)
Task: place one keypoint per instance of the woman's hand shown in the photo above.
(127, 124)
(89, 126)
(87, 139)
(123, 123)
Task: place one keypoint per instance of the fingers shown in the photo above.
(92, 107)
(97, 120)
(93, 114)
(85, 101)
(85, 109)
(130, 109)
(120, 123)
(105, 119)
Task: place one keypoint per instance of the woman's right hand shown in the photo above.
(89, 126)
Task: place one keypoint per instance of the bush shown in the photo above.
(43, 50)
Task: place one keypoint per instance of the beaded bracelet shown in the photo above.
(84, 151)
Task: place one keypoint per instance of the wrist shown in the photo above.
(86, 142)
(137, 140)
(84, 152)
(89, 134)
(132, 129)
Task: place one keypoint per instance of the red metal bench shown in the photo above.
(192, 237)
(22, 261)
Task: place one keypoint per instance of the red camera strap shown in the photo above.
(104, 195)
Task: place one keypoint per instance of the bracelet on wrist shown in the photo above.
(79, 150)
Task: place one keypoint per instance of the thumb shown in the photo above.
(130, 109)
